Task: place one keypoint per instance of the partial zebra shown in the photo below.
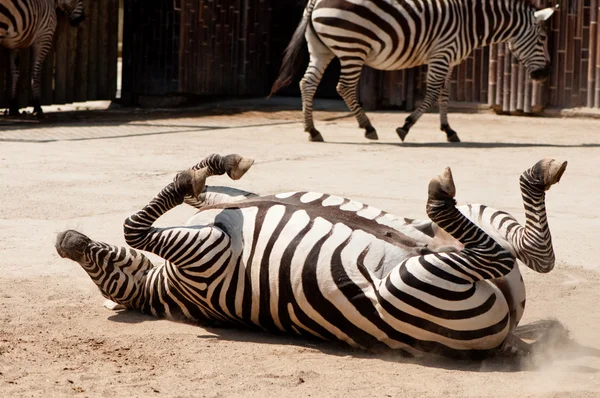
(25, 23)
(394, 34)
(323, 266)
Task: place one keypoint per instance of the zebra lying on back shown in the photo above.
(25, 23)
(393, 35)
(323, 266)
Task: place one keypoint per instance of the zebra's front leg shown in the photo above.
(436, 78)
(308, 87)
(138, 228)
(451, 135)
(13, 109)
(347, 89)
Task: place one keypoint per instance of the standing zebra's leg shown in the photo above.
(347, 88)
(436, 79)
(40, 50)
(443, 104)
(14, 74)
(320, 57)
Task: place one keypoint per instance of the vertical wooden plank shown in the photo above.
(103, 36)
(492, 82)
(522, 84)
(506, 79)
(112, 50)
(514, 82)
(93, 44)
(62, 60)
(500, 76)
(71, 38)
(597, 90)
(593, 39)
(81, 59)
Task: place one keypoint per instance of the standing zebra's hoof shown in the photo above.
(401, 133)
(451, 135)
(453, 138)
(38, 113)
(371, 133)
(315, 136)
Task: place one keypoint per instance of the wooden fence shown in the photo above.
(224, 47)
(82, 65)
(492, 75)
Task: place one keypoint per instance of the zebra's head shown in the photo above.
(73, 9)
(119, 272)
(530, 43)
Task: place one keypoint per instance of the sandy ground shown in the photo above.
(56, 338)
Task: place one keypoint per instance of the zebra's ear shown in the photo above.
(543, 15)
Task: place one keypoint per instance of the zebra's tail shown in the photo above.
(290, 64)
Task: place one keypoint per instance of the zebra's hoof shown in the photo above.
(72, 245)
(453, 138)
(401, 133)
(549, 171)
(191, 182)
(442, 187)
(371, 133)
(38, 113)
(237, 166)
(315, 136)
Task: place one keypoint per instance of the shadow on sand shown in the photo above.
(552, 346)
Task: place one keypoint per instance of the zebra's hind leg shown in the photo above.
(320, 57)
(347, 89)
(436, 79)
(451, 135)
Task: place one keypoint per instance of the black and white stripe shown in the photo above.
(324, 266)
(25, 23)
(392, 35)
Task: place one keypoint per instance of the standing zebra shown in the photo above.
(399, 34)
(327, 267)
(25, 23)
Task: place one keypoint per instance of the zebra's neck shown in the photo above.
(162, 298)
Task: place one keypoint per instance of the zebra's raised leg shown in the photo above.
(488, 258)
(138, 228)
(443, 105)
(351, 68)
(320, 57)
(15, 73)
(436, 79)
(533, 243)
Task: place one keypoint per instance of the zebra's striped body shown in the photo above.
(324, 266)
(393, 35)
(25, 23)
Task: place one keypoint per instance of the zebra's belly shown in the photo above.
(314, 277)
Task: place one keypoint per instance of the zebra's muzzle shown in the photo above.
(77, 20)
(541, 74)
